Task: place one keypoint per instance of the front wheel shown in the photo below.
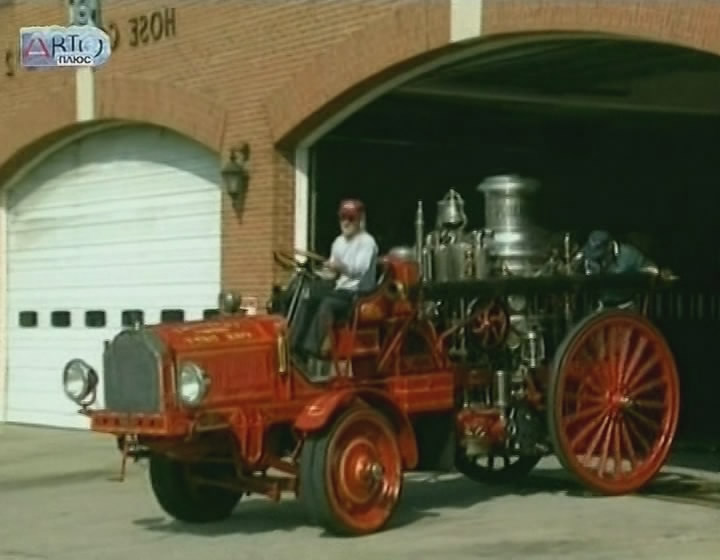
(351, 476)
(182, 498)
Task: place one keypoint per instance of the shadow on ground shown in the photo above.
(423, 497)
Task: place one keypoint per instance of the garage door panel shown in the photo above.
(117, 204)
(142, 297)
(143, 228)
(117, 275)
(186, 247)
(191, 215)
(125, 220)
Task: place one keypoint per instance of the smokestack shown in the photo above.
(419, 232)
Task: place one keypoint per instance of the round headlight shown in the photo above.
(79, 380)
(517, 303)
(193, 383)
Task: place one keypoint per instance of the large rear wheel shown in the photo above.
(351, 475)
(613, 401)
(173, 483)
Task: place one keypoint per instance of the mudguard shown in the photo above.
(320, 412)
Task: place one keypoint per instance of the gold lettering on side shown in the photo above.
(239, 335)
(200, 339)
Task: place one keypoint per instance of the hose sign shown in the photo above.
(56, 46)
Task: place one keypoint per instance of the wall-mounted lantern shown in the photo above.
(235, 175)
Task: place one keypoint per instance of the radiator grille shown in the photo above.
(132, 373)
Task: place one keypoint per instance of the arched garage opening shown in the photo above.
(119, 225)
(621, 134)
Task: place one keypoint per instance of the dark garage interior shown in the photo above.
(621, 136)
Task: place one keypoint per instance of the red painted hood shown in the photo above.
(240, 354)
(221, 333)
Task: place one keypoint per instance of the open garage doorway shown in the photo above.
(622, 135)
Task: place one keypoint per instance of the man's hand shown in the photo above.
(336, 266)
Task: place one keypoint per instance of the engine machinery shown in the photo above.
(509, 335)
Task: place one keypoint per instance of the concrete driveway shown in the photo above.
(59, 500)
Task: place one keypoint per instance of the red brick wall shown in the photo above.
(265, 71)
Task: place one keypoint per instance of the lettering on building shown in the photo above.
(153, 27)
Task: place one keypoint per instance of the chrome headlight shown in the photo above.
(192, 383)
(79, 380)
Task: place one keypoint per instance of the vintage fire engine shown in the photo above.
(479, 351)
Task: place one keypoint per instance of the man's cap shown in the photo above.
(597, 245)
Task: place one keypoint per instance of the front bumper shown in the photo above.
(138, 423)
(170, 424)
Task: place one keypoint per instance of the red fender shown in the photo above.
(319, 413)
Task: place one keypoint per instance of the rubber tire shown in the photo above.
(181, 500)
(313, 494)
(516, 472)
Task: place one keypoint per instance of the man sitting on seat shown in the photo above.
(353, 260)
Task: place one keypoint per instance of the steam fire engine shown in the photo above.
(478, 351)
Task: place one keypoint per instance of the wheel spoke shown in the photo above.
(649, 386)
(606, 448)
(594, 383)
(648, 403)
(583, 414)
(611, 370)
(617, 452)
(596, 440)
(623, 352)
(585, 432)
(647, 422)
(628, 443)
(491, 461)
(645, 444)
(586, 398)
(635, 358)
(643, 371)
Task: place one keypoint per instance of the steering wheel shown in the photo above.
(290, 260)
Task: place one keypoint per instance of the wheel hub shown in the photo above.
(619, 401)
(363, 473)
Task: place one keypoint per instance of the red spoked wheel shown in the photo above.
(613, 401)
(351, 477)
(490, 325)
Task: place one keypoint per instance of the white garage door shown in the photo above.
(121, 221)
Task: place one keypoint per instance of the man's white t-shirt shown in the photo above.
(358, 254)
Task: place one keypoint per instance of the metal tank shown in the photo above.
(452, 251)
(516, 246)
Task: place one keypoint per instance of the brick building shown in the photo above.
(187, 82)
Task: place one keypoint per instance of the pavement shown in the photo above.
(60, 499)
